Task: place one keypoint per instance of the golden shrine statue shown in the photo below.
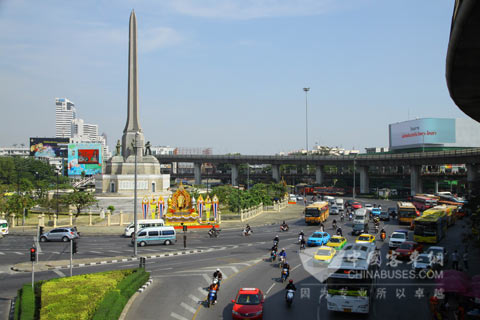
(181, 201)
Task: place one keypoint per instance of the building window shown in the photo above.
(153, 186)
(112, 187)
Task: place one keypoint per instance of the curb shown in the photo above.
(171, 254)
(132, 299)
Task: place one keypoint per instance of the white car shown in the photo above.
(368, 206)
(397, 238)
(334, 210)
(440, 255)
(423, 262)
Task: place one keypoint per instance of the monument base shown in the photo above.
(124, 184)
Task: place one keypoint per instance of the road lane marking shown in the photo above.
(60, 273)
(96, 252)
(2, 253)
(207, 278)
(191, 296)
(296, 266)
(19, 253)
(202, 290)
(268, 291)
(187, 307)
(177, 316)
(115, 251)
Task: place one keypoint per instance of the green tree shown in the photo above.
(80, 200)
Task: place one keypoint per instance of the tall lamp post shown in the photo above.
(306, 118)
(135, 197)
(354, 158)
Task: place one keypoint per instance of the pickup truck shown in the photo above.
(397, 238)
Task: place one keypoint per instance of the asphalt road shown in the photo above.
(178, 290)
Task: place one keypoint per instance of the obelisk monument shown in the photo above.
(132, 127)
(117, 178)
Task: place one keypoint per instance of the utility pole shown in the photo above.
(306, 118)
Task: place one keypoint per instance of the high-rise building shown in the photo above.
(65, 112)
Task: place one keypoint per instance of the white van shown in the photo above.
(360, 214)
(156, 235)
(3, 227)
(143, 224)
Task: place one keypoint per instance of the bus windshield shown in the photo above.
(350, 287)
(424, 229)
(408, 213)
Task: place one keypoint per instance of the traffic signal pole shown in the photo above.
(71, 256)
(33, 258)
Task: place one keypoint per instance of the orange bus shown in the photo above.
(406, 212)
(316, 212)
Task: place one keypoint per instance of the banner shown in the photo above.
(200, 207)
(215, 207)
(153, 207)
(145, 205)
(161, 207)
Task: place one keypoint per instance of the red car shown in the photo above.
(407, 248)
(248, 304)
(356, 205)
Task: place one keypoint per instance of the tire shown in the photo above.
(65, 239)
(168, 242)
(142, 244)
(43, 239)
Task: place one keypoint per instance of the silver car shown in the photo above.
(59, 234)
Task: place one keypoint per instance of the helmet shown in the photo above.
(283, 249)
(276, 235)
(218, 269)
(290, 281)
(215, 281)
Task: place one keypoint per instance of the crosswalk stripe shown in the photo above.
(60, 273)
(19, 253)
(191, 296)
(207, 278)
(2, 253)
(177, 316)
(202, 291)
(187, 307)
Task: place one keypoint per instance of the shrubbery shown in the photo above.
(25, 306)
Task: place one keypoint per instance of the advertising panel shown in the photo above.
(422, 131)
(49, 147)
(84, 157)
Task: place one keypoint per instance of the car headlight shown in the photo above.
(259, 312)
(235, 312)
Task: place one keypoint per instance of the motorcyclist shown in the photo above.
(212, 231)
(247, 230)
(214, 287)
(334, 224)
(286, 267)
(283, 255)
(339, 231)
(322, 227)
(342, 217)
(302, 243)
(276, 239)
(350, 216)
(284, 226)
(290, 286)
(273, 254)
(218, 275)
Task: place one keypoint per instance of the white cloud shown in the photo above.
(250, 9)
(159, 37)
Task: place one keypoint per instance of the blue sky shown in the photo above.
(227, 74)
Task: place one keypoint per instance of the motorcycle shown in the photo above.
(284, 274)
(284, 228)
(342, 218)
(213, 234)
(334, 226)
(211, 297)
(275, 243)
(289, 297)
(376, 229)
(273, 256)
(383, 235)
(350, 217)
(300, 237)
(282, 261)
(246, 233)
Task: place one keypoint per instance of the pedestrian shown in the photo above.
(455, 260)
(322, 227)
(465, 259)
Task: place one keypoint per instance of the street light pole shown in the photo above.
(57, 195)
(306, 118)
(354, 178)
(248, 176)
(135, 198)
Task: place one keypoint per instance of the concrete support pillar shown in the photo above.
(276, 172)
(364, 188)
(415, 180)
(319, 175)
(234, 175)
(197, 171)
(472, 172)
(436, 187)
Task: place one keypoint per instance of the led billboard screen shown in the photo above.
(422, 131)
(49, 147)
(84, 157)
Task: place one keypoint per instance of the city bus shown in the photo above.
(451, 211)
(316, 212)
(423, 203)
(431, 227)
(406, 212)
(351, 279)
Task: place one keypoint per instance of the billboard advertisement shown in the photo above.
(49, 147)
(422, 131)
(84, 157)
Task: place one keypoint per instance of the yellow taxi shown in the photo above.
(324, 255)
(337, 242)
(365, 238)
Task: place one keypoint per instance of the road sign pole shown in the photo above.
(33, 273)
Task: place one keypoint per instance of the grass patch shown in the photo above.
(77, 297)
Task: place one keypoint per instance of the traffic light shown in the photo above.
(184, 228)
(74, 246)
(33, 254)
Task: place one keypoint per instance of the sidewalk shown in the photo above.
(291, 212)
